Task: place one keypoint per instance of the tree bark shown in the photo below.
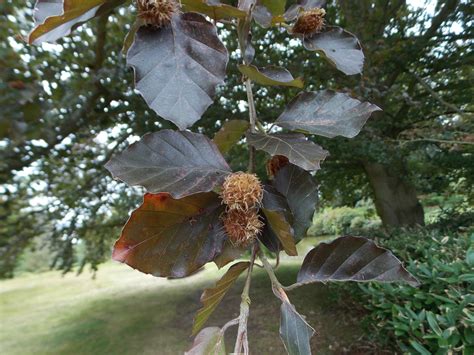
(396, 200)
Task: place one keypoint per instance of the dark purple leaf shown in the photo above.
(172, 238)
(208, 341)
(301, 192)
(177, 67)
(295, 332)
(262, 16)
(352, 259)
(294, 146)
(327, 114)
(270, 76)
(54, 20)
(180, 163)
(230, 133)
(212, 297)
(229, 253)
(340, 47)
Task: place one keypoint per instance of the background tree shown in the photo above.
(51, 159)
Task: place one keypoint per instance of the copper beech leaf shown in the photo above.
(301, 193)
(180, 163)
(57, 18)
(211, 297)
(172, 238)
(340, 47)
(229, 134)
(271, 76)
(209, 341)
(326, 113)
(351, 258)
(296, 147)
(229, 253)
(295, 332)
(177, 67)
(213, 8)
(284, 232)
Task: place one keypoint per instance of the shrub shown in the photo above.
(437, 317)
(342, 220)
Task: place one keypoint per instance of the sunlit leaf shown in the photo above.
(301, 192)
(213, 8)
(326, 113)
(340, 47)
(270, 76)
(230, 133)
(294, 146)
(54, 20)
(130, 37)
(295, 332)
(180, 163)
(276, 7)
(211, 297)
(278, 223)
(177, 67)
(352, 259)
(208, 341)
(172, 238)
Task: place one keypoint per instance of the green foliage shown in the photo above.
(437, 317)
(344, 220)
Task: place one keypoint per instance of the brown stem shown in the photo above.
(277, 287)
(242, 340)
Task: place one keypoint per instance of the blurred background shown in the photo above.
(406, 181)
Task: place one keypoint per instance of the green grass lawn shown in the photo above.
(122, 311)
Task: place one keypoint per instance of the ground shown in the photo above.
(122, 311)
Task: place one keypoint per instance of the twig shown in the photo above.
(242, 340)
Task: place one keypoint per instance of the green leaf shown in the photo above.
(352, 259)
(213, 8)
(301, 192)
(208, 341)
(276, 7)
(130, 37)
(271, 76)
(172, 238)
(295, 332)
(54, 20)
(211, 297)
(326, 113)
(229, 134)
(178, 67)
(282, 229)
(294, 146)
(418, 347)
(340, 47)
(470, 256)
(433, 323)
(180, 163)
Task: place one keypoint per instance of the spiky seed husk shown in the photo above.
(242, 227)
(310, 22)
(242, 191)
(275, 164)
(157, 13)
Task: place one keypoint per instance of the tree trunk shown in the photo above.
(395, 199)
